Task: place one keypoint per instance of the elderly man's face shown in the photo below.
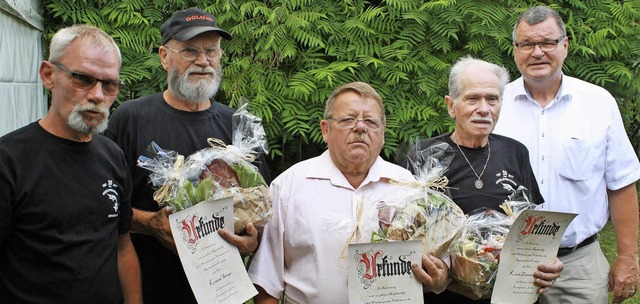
(198, 79)
(477, 109)
(354, 149)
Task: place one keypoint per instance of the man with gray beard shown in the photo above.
(181, 119)
(65, 191)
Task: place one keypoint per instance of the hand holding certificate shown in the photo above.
(534, 238)
(213, 267)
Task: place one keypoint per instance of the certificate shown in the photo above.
(381, 272)
(213, 266)
(534, 238)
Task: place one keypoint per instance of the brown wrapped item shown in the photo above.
(432, 218)
(248, 206)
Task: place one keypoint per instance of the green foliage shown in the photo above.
(287, 56)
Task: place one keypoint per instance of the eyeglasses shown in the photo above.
(191, 54)
(545, 46)
(86, 82)
(351, 122)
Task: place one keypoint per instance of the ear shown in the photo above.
(324, 126)
(46, 74)
(164, 53)
(449, 100)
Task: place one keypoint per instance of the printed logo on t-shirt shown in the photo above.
(112, 194)
(505, 179)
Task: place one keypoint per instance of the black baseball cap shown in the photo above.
(186, 24)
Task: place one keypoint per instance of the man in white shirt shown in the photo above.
(301, 255)
(582, 159)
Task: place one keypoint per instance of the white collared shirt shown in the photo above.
(578, 148)
(302, 248)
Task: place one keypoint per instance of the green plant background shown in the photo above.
(288, 55)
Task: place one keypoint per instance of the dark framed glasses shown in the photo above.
(545, 46)
(86, 82)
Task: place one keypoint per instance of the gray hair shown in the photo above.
(361, 88)
(466, 63)
(536, 15)
(64, 37)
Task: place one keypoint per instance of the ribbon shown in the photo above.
(240, 153)
(439, 183)
(163, 192)
(355, 235)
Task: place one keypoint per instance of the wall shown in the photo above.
(22, 97)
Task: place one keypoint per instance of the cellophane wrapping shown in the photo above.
(420, 210)
(215, 172)
(476, 254)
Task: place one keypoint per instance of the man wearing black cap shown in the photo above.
(180, 119)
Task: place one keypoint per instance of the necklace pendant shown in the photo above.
(478, 183)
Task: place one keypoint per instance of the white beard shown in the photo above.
(195, 92)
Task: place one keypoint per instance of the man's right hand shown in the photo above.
(155, 224)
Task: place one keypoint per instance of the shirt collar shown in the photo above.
(564, 92)
(326, 169)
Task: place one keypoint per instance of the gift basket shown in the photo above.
(419, 210)
(476, 254)
(215, 172)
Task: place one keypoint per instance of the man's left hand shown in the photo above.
(623, 278)
(546, 275)
(246, 243)
(434, 273)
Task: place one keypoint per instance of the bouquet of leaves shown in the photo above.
(215, 172)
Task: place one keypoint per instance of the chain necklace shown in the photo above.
(478, 183)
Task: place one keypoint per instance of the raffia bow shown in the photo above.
(355, 235)
(439, 183)
(163, 192)
(237, 152)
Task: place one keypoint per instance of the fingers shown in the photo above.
(247, 243)
(433, 273)
(623, 278)
(165, 211)
(546, 274)
(251, 230)
(621, 294)
(162, 230)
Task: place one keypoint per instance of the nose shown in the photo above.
(201, 59)
(95, 94)
(360, 126)
(483, 106)
(537, 51)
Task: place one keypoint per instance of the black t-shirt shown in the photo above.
(63, 206)
(508, 172)
(133, 126)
